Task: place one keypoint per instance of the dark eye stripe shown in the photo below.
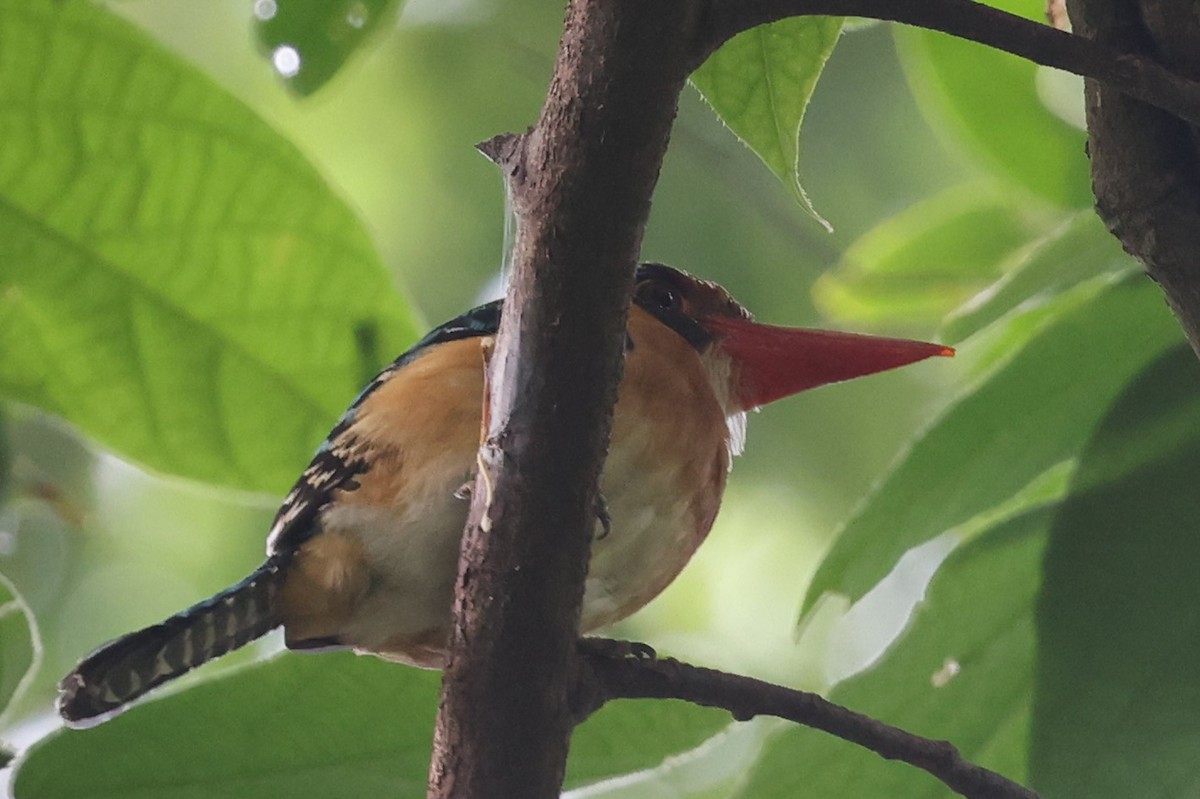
(675, 318)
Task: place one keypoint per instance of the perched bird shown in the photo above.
(363, 553)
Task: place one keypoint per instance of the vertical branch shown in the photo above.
(1145, 162)
(581, 182)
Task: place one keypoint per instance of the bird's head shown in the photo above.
(753, 364)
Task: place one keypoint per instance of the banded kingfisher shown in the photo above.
(363, 553)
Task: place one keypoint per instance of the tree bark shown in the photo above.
(603, 677)
(1106, 61)
(1145, 162)
(581, 181)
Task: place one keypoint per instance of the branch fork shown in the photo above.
(581, 180)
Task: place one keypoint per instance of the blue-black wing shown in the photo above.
(339, 460)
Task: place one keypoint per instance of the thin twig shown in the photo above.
(1131, 74)
(603, 677)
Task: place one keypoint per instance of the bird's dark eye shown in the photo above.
(655, 294)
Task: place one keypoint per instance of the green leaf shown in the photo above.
(1079, 249)
(20, 648)
(628, 736)
(760, 83)
(175, 278)
(1027, 414)
(713, 770)
(986, 101)
(961, 673)
(319, 726)
(925, 260)
(308, 41)
(1117, 704)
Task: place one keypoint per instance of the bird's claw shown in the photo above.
(603, 517)
(617, 650)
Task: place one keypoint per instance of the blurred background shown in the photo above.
(99, 546)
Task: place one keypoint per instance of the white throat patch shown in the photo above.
(719, 368)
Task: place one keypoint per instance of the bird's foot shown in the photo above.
(617, 650)
(603, 517)
(598, 656)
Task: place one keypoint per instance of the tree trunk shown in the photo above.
(1145, 162)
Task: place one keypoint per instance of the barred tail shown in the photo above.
(122, 670)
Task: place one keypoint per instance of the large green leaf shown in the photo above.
(925, 260)
(962, 673)
(308, 41)
(629, 736)
(1077, 250)
(319, 726)
(1117, 704)
(175, 278)
(987, 101)
(760, 83)
(713, 770)
(1054, 370)
(322, 725)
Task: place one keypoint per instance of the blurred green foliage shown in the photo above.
(962, 673)
(320, 749)
(198, 270)
(918, 265)
(1021, 417)
(1025, 144)
(1115, 694)
(309, 41)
